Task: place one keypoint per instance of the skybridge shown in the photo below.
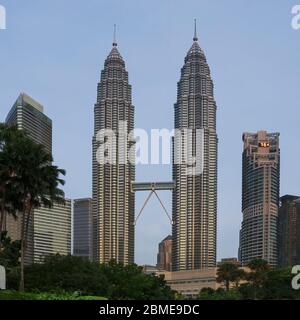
(153, 187)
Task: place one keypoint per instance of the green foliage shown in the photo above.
(273, 284)
(219, 294)
(15, 295)
(10, 251)
(228, 273)
(114, 280)
(28, 180)
(263, 283)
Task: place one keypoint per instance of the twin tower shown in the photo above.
(194, 207)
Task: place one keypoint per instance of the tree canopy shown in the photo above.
(114, 280)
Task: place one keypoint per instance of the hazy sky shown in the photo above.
(54, 51)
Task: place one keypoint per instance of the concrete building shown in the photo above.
(260, 197)
(289, 231)
(113, 201)
(195, 194)
(148, 269)
(190, 282)
(82, 228)
(229, 260)
(164, 256)
(52, 231)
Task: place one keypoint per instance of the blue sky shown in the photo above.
(54, 51)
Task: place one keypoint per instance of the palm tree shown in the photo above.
(7, 134)
(34, 182)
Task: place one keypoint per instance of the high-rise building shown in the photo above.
(82, 228)
(195, 195)
(113, 201)
(28, 115)
(44, 234)
(260, 197)
(52, 231)
(164, 256)
(289, 231)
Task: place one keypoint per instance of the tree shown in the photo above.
(129, 282)
(10, 253)
(258, 274)
(219, 294)
(206, 294)
(66, 273)
(7, 135)
(34, 182)
(229, 272)
(239, 275)
(114, 280)
(267, 283)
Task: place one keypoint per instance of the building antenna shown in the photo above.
(195, 30)
(115, 36)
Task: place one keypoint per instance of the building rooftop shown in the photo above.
(24, 99)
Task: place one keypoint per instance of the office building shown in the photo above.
(289, 231)
(28, 115)
(164, 256)
(44, 234)
(82, 228)
(52, 231)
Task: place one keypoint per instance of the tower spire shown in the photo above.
(195, 30)
(115, 40)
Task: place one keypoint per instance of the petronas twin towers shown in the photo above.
(194, 195)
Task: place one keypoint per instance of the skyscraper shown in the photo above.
(28, 115)
(113, 201)
(164, 256)
(289, 231)
(49, 230)
(260, 197)
(195, 195)
(82, 236)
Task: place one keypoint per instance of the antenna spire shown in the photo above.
(195, 30)
(115, 32)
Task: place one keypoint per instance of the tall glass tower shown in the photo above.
(195, 195)
(113, 201)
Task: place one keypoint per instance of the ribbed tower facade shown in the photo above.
(113, 201)
(195, 195)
